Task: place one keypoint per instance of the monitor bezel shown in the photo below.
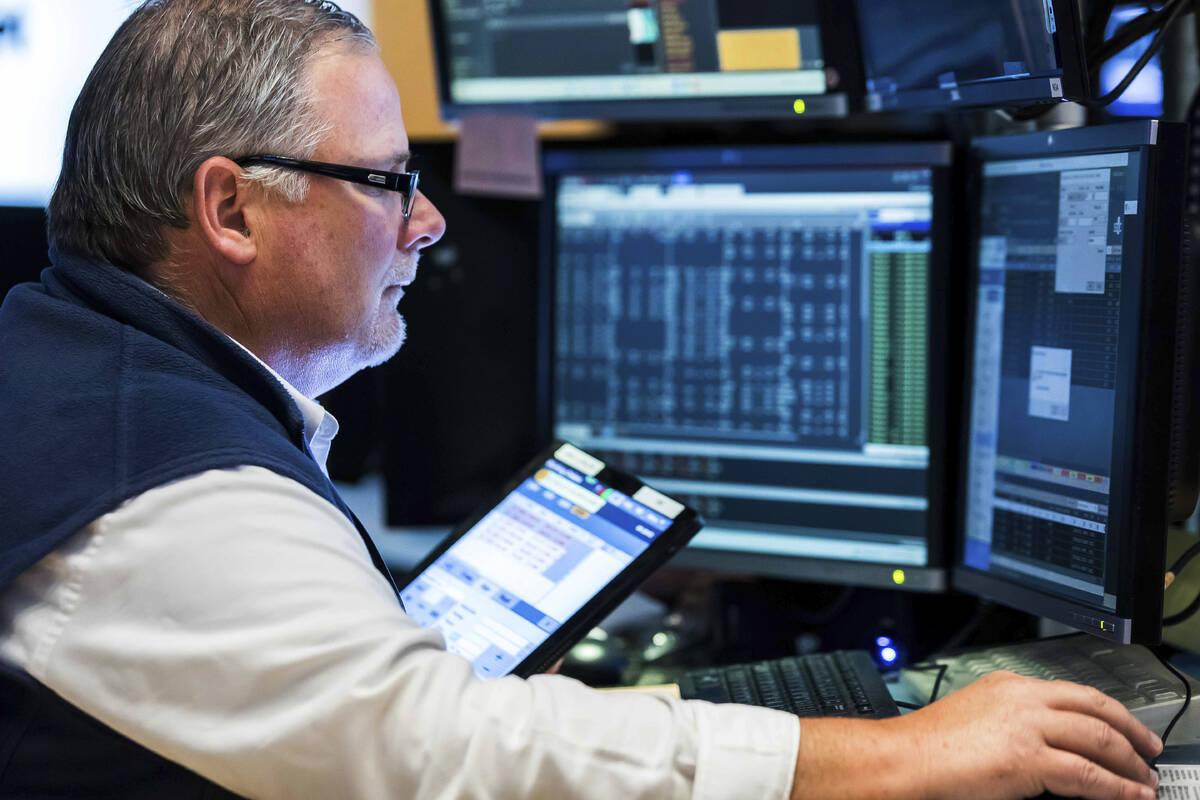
(945, 337)
(1073, 84)
(1141, 433)
(840, 52)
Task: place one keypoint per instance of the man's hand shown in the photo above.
(1003, 736)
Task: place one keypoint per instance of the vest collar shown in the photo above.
(128, 299)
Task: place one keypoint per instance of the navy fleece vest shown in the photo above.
(108, 389)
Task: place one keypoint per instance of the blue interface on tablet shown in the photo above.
(534, 560)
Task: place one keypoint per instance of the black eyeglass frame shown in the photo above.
(403, 182)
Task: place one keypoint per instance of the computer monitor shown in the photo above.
(637, 59)
(763, 331)
(949, 53)
(1077, 439)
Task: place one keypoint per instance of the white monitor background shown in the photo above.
(43, 65)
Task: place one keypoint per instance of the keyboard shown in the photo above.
(844, 683)
(1130, 674)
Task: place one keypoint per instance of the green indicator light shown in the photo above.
(799, 106)
(898, 576)
(606, 493)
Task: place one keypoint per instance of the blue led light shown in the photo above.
(888, 654)
(883, 641)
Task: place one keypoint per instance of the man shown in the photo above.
(186, 606)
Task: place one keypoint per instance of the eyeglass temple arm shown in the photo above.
(397, 182)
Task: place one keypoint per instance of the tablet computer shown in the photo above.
(526, 577)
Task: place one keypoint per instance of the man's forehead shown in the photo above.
(357, 97)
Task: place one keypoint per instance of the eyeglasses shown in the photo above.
(403, 182)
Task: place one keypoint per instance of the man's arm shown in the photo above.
(233, 623)
(1003, 736)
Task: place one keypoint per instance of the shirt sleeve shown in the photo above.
(233, 622)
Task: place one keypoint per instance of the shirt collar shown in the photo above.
(319, 425)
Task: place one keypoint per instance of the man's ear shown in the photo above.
(218, 201)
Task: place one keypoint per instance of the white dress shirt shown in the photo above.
(233, 622)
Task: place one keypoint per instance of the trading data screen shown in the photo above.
(528, 51)
(1044, 392)
(758, 342)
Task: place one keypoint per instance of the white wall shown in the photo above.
(42, 67)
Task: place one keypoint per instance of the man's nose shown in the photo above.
(425, 226)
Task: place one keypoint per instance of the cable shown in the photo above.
(929, 666)
(1180, 616)
(1183, 560)
(1170, 12)
(1187, 699)
(912, 706)
(1126, 35)
(1174, 570)
(1099, 50)
(1097, 22)
(937, 683)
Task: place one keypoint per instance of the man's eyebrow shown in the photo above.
(399, 160)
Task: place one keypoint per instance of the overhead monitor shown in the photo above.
(941, 54)
(763, 332)
(1076, 439)
(646, 59)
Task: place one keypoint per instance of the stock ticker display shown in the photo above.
(1045, 393)
(757, 341)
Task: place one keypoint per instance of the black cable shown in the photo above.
(1187, 699)
(937, 683)
(1098, 20)
(1170, 12)
(1100, 51)
(912, 706)
(1127, 34)
(929, 666)
(1183, 560)
(1190, 608)
(1180, 616)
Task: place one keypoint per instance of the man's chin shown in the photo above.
(386, 344)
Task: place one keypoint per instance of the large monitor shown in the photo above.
(949, 53)
(638, 59)
(1077, 437)
(763, 331)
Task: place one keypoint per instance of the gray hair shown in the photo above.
(182, 81)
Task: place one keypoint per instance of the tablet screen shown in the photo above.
(534, 560)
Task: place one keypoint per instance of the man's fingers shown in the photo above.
(1096, 740)
(1067, 696)
(1071, 775)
